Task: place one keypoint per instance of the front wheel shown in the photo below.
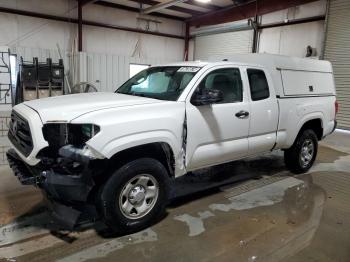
(301, 156)
(135, 196)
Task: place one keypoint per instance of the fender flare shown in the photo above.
(308, 117)
(159, 136)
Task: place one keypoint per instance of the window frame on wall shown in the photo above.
(141, 67)
(14, 66)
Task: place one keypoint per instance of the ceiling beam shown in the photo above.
(203, 5)
(190, 2)
(137, 10)
(294, 22)
(162, 5)
(174, 8)
(84, 22)
(244, 11)
(85, 2)
(231, 13)
(171, 7)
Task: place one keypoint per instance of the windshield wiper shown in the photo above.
(138, 94)
(132, 94)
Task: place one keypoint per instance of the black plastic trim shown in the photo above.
(20, 134)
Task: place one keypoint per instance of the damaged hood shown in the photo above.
(68, 107)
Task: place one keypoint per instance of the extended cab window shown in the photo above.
(259, 88)
(227, 80)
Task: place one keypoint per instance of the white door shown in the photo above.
(209, 46)
(218, 133)
(264, 112)
(337, 51)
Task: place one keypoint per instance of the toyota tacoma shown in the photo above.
(116, 155)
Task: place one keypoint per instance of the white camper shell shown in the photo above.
(292, 76)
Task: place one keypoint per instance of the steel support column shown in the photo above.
(80, 26)
(187, 40)
(256, 34)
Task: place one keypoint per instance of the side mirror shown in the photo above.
(207, 97)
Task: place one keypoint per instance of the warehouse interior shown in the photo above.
(252, 209)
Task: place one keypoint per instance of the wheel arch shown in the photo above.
(160, 151)
(313, 122)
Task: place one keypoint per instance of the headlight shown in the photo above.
(60, 134)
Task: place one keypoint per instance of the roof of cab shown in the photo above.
(280, 62)
(263, 60)
(207, 63)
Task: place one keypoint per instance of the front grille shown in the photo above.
(19, 134)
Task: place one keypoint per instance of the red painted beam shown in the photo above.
(244, 11)
(294, 22)
(91, 23)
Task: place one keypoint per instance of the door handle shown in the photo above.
(242, 114)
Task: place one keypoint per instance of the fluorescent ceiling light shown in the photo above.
(203, 1)
(221, 28)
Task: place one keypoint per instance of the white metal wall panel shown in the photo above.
(28, 53)
(292, 40)
(337, 50)
(239, 42)
(107, 72)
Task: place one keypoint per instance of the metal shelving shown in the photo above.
(5, 77)
(39, 79)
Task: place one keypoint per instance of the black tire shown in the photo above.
(112, 191)
(293, 155)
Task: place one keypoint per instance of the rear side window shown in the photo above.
(259, 88)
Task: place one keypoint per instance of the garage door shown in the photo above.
(337, 50)
(223, 44)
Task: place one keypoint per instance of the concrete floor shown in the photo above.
(257, 211)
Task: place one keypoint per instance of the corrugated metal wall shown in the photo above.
(223, 44)
(28, 53)
(108, 72)
(337, 50)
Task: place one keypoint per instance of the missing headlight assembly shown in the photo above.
(67, 151)
(61, 134)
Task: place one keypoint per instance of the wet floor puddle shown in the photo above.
(262, 219)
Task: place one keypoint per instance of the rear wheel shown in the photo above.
(301, 156)
(135, 196)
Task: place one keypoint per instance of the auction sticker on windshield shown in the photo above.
(189, 69)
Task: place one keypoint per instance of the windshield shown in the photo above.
(165, 83)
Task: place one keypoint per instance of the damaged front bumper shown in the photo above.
(67, 194)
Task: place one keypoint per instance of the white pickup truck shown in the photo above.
(115, 155)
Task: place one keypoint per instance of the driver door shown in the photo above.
(218, 133)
